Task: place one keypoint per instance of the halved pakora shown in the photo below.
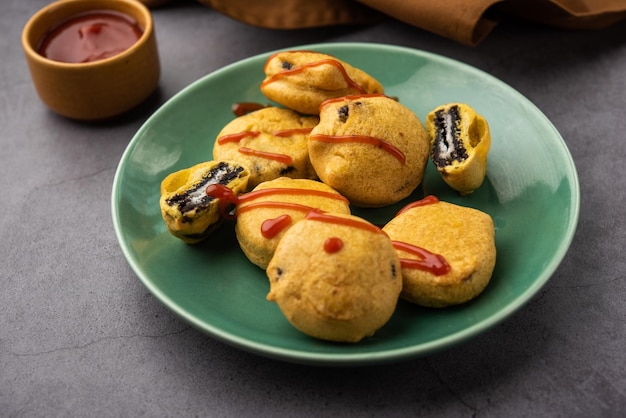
(459, 143)
(188, 211)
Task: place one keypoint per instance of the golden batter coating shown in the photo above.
(462, 236)
(302, 80)
(370, 148)
(460, 141)
(265, 214)
(270, 142)
(189, 213)
(335, 277)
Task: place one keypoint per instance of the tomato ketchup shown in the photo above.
(91, 36)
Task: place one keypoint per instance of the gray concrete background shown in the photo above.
(81, 336)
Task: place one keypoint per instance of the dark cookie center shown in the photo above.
(448, 144)
(195, 196)
(343, 112)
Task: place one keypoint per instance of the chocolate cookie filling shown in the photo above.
(343, 112)
(448, 145)
(195, 196)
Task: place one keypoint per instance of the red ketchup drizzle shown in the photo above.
(275, 205)
(327, 61)
(243, 108)
(325, 217)
(295, 131)
(290, 191)
(430, 262)
(333, 245)
(377, 142)
(272, 227)
(90, 36)
(274, 55)
(352, 97)
(433, 263)
(224, 196)
(237, 137)
(428, 200)
(281, 158)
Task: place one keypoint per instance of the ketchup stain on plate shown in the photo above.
(90, 36)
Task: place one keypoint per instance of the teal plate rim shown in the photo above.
(568, 190)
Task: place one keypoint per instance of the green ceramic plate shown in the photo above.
(531, 192)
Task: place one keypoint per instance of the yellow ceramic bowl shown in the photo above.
(93, 90)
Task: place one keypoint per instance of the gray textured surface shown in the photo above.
(81, 336)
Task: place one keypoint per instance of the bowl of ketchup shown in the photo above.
(92, 59)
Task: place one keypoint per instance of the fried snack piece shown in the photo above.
(370, 148)
(302, 80)
(270, 142)
(447, 252)
(335, 277)
(189, 213)
(265, 214)
(460, 141)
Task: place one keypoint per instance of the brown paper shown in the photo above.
(461, 20)
(294, 14)
(571, 14)
(465, 21)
